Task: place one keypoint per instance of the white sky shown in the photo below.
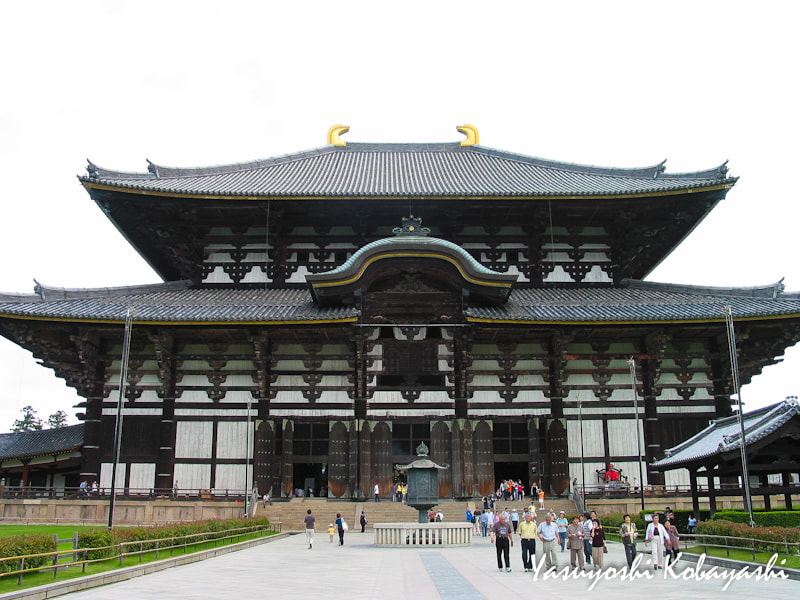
(200, 83)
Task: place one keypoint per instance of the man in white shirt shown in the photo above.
(377, 491)
(548, 533)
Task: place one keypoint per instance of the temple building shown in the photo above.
(324, 312)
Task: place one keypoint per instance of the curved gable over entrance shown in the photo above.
(411, 262)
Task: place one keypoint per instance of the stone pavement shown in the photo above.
(286, 568)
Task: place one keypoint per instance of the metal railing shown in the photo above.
(61, 560)
(752, 545)
(77, 493)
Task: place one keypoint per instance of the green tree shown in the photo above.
(57, 419)
(30, 421)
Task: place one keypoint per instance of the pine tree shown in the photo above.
(30, 421)
(57, 419)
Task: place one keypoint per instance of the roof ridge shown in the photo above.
(157, 171)
(772, 290)
(57, 293)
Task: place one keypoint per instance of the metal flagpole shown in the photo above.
(639, 433)
(247, 485)
(583, 469)
(123, 382)
(748, 502)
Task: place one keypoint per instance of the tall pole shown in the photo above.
(247, 461)
(123, 382)
(583, 469)
(639, 433)
(748, 503)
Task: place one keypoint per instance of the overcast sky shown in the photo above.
(196, 83)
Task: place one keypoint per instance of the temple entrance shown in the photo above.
(518, 471)
(309, 476)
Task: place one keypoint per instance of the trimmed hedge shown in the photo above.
(21, 545)
(773, 518)
(95, 538)
(770, 539)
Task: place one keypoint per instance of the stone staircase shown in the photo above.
(291, 514)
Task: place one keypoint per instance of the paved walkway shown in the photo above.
(288, 569)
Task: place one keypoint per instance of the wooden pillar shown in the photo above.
(695, 492)
(763, 482)
(465, 430)
(353, 459)
(287, 472)
(441, 454)
(712, 498)
(366, 480)
(456, 464)
(786, 479)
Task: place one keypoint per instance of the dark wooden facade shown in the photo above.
(297, 336)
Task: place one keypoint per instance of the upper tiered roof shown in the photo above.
(407, 170)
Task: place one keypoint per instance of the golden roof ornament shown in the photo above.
(334, 133)
(473, 138)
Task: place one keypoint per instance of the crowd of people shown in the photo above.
(584, 536)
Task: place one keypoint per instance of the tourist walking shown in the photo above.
(628, 534)
(562, 523)
(674, 542)
(363, 521)
(485, 522)
(548, 534)
(514, 519)
(377, 491)
(331, 531)
(586, 523)
(311, 528)
(541, 499)
(659, 536)
(501, 538)
(598, 543)
(527, 535)
(692, 523)
(575, 535)
(341, 527)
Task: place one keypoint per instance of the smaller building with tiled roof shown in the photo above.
(47, 458)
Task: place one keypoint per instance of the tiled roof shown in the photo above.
(26, 444)
(172, 302)
(724, 435)
(380, 170)
(634, 301)
(639, 301)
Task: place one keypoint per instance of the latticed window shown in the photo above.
(311, 439)
(407, 436)
(404, 357)
(510, 438)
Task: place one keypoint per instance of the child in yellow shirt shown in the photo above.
(331, 531)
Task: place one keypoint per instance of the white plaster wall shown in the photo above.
(232, 477)
(105, 475)
(192, 477)
(193, 439)
(592, 438)
(622, 435)
(143, 476)
(232, 439)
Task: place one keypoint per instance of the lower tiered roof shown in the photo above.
(636, 302)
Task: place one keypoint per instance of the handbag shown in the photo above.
(605, 548)
(344, 525)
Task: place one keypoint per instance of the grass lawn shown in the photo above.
(9, 583)
(63, 531)
(792, 562)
